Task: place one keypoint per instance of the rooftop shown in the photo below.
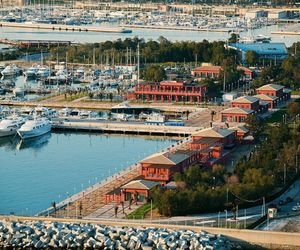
(208, 68)
(214, 132)
(237, 110)
(140, 184)
(245, 99)
(270, 87)
(265, 97)
(261, 48)
(168, 158)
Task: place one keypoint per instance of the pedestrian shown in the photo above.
(122, 204)
(116, 210)
(130, 202)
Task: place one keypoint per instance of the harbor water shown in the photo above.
(147, 34)
(38, 171)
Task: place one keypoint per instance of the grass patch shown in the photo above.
(74, 97)
(140, 212)
(277, 116)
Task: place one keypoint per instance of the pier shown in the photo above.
(62, 27)
(35, 43)
(125, 128)
(179, 28)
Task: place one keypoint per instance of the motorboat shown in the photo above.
(31, 72)
(19, 91)
(155, 118)
(10, 125)
(33, 128)
(64, 112)
(43, 72)
(80, 72)
(46, 112)
(10, 70)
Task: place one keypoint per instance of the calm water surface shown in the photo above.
(92, 37)
(39, 171)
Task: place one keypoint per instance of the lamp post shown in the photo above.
(225, 217)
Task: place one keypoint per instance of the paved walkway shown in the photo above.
(108, 211)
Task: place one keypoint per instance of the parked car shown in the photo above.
(296, 208)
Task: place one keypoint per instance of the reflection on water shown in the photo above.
(36, 143)
(36, 172)
(16, 143)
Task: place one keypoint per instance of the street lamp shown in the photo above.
(225, 217)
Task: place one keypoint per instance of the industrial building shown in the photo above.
(272, 51)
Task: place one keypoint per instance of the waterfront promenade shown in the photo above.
(90, 200)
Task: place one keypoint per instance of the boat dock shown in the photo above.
(125, 128)
(137, 26)
(62, 27)
(35, 43)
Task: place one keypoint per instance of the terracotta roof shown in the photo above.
(270, 87)
(237, 110)
(266, 97)
(240, 129)
(245, 99)
(166, 158)
(208, 67)
(140, 184)
(243, 68)
(213, 132)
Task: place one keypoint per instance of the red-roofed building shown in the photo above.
(246, 102)
(211, 71)
(170, 91)
(235, 114)
(279, 91)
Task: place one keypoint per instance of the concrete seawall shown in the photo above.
(63, 27)
(270, 240)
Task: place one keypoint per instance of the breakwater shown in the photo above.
(61, 27)
(40, 234)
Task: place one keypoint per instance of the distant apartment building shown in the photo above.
(11, 3)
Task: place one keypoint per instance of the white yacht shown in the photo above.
(34, 128)
(43, 72)
(31, 72)
(10, 125)
(10, 70)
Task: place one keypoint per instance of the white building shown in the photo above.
(277, 14)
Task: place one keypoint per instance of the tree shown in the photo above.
(233, 38)
(254, 125)
(293, 108)
(251, 58)
(154, 73)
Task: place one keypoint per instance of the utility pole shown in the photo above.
(227, 195)
(284, 174)
(138, 62)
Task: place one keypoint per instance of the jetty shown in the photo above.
(62, 27)
(179, 28)
(35, 43)
(125, 128)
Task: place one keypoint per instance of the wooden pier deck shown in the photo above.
(62, 27)
(125, 128)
